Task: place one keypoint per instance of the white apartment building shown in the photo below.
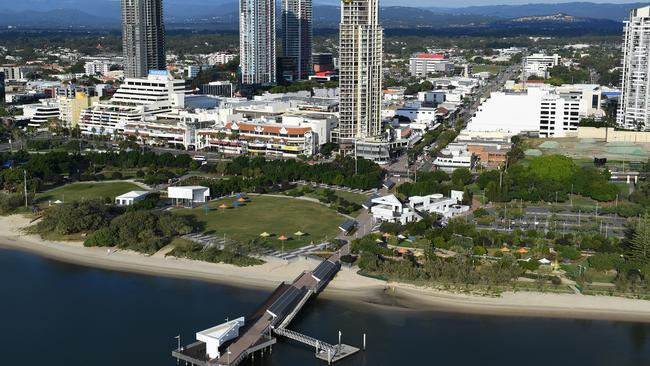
(220, 58)
(539, 65)
(634, 105)
(13, 73)
(424, 64)
(97, 67)
(40, 114)
(136, 99)
(551, 111)
(257, 42)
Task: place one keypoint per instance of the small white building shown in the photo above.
(453, 157)
(391, 209)
(130, 198)
(215, 337)
(188, 196)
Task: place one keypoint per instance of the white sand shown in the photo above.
(346, 286)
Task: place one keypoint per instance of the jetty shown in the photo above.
(230, 343)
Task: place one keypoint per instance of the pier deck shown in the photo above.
(272, 318)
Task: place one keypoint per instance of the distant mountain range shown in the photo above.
(222, 14)
(617, 12)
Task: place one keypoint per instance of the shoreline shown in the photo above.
(347, 285)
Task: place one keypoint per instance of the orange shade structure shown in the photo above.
(223, 205)
(283, 238)
(522, 251)
(242, 199)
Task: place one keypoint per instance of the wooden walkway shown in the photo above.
(272, 318)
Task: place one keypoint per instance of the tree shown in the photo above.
(638, 250)
(461, 176)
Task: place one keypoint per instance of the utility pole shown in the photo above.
(25, 184)
(356, 164)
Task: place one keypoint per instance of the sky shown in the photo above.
(81, 4)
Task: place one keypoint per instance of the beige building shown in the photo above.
(360, 72)
(70, 108)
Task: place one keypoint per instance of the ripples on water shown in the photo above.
(55, 313)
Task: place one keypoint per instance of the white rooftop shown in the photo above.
(133, 194)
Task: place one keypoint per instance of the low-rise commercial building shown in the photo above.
(258, 137)
(453, 157)
(41, 114)
(135, 100)
(539, 65)
(540, 108)
(424, 64)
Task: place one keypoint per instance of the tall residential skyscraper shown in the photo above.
(143, 37)
(634, 105)
(360, 72)
(257, 41)
(297, 35)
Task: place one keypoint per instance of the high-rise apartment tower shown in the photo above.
(257, 58)
(143, 37)
(297, 35)
(360, 71)
(634, 105)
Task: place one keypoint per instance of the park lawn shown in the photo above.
(274, 215)
(86, 191)
(353, 197)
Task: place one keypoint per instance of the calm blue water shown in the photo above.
(54, 313)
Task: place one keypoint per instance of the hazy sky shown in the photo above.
(52, 4)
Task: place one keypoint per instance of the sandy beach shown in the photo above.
(347, 286)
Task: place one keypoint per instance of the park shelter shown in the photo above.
(130, 198)
(348, 226)
(188, 196)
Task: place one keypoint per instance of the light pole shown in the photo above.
(25, 183)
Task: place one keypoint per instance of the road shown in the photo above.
(485, 91)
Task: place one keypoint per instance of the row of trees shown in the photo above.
(547, 178)
(460, 270)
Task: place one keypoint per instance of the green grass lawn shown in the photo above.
(623, 188)
(274, 215)
(353, 197)
(85, 191)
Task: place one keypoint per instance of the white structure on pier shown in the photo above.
(217, 336)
